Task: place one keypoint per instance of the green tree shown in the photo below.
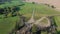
(9, 6)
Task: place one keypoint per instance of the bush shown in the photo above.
(33, 2)
(53, 6)
(34, 29)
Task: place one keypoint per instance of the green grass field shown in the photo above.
(7, 24)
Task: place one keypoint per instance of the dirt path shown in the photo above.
(38, 22)
(32, 20)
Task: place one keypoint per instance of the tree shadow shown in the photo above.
(58, 32)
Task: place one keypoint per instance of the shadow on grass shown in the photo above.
(58, 32)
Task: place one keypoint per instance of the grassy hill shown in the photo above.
(7, 24)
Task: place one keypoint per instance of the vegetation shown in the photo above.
(7, 24)
(40, 10)
(57, 19)
(34, 29)
(11, 4)
(10, 8)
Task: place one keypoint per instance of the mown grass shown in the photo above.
(7, 24)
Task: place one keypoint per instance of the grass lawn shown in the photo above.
(7, 24)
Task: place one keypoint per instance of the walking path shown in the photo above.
(29, 24)
(38, 22)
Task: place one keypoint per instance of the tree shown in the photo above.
(3, 1)
(11, 7)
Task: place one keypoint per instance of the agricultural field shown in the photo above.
(7, 24)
